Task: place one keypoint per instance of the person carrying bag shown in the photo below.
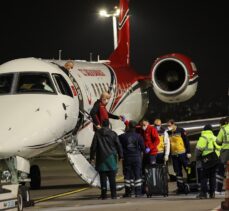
(211, 159)
(205, 152)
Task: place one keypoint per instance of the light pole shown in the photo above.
(113, 14)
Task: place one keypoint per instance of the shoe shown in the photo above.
(138, 196)
(179, 191)
(212, 195)
(102, 197)
(202, 196)
(219, 193)
(114, 197)
(126, 195)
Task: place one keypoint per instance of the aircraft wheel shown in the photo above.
(19, 201)
(35, 176)
(25, 195)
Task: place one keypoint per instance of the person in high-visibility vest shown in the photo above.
(163, 148)
(180, 153)
(206, 145)
(223, 140)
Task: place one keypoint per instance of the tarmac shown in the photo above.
(63, 190)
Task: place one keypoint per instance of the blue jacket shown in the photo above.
(132, 144)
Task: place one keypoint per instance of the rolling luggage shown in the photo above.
(191, 172)
(156, 180)
(193, 177)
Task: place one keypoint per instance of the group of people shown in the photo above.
(213, 153)
(143, 145)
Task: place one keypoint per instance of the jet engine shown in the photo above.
(174, 78)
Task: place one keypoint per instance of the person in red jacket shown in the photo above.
(151, 140)
(99, 112)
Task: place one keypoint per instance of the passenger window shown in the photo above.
(97, 87)
(105, 89)
(35, 83)
(101, 88)
(93, 87)
(6, 83)
(108, 87)
(62, 85)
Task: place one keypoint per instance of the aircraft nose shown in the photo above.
(28, 122)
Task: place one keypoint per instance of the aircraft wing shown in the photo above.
(194, 127)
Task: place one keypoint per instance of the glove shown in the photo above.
(189, 155)
(166, 158)
(147, 150)
(122, 118)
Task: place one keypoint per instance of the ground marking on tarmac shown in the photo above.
(60, 195)
(216, 209)
(66, 193)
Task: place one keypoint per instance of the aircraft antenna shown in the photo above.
(60, 52)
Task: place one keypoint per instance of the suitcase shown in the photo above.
(156, 180)
(193, 177)
(191, 172)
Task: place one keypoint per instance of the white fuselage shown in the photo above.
(33, 122)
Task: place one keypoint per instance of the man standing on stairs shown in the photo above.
(99, 112)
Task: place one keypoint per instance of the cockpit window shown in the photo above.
(6, 81)
(35, 83)
(62, 85)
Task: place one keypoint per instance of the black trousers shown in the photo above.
(160, 158)
(132, 174)
(208, 174)
(220, 172)
(103, 181)
(180, 161)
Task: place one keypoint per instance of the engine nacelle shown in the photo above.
(174, 78)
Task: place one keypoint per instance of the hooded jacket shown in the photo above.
(105, 146)
(132, 144)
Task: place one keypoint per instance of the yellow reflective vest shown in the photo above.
(223, 137)
(207, 143)
(177, 144)
(161, 145)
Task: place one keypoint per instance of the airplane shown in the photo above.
(42, 106)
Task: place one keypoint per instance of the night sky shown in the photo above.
(197, 28)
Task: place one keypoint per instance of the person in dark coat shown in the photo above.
(133, 149)
(107, 149)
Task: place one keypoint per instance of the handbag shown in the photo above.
(210, 160)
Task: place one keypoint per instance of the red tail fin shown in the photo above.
(120, 56)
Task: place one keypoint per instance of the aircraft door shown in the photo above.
(77, 94)
(68, 103)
